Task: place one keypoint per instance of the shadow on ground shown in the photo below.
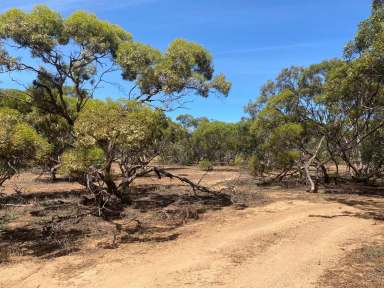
(54, 224)
(368, 199)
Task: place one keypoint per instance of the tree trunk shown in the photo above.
(53, 172)
(313, 186)
(325, 174)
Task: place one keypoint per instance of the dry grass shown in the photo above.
(361, 268)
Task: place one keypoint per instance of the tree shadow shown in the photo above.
(150, 197)
(354, 189)
(59, 226)
(137, 239)
(370, 207)
(34, 241)
(57, 180)
(329, 216)
(25, 198)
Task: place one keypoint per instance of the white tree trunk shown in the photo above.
(312, 185)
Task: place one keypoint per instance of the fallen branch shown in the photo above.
(17, 205)
(161, 172)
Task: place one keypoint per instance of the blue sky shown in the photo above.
(251, 41)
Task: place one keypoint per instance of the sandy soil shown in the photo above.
(288, 243)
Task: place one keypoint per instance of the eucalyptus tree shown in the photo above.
(328, 112)
(290, 120)
(67, 57)
(125, 134)
(215, 141)
(73, 56)
(70, 58)
(355, 91)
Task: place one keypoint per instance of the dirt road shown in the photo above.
(284, 244)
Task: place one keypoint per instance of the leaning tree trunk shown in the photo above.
(313, 187)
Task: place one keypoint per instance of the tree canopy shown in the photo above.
(73, 57)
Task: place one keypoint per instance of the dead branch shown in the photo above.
(195, 187)
(16, 205)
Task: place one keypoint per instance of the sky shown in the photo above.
(250, 40)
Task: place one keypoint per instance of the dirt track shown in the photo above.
(283, 244)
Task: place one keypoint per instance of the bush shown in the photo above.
(239, 161)
(255, 166)
(205, 165)
(20, 144)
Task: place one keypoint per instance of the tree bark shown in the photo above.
(313, 187)
(325, 174)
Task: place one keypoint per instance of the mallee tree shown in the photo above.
(69, 59)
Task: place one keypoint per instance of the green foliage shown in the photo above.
(205, 165)
(219, 142)
(15, 99)
(41, 30)
(96, 48)
(187, 121)
(255, 166)
(139, 62)
(94, 34)
(126, 133)
(20, 145)
(77, 161)
(52, 127)
(19, 139)
(340, 100)
(183, 66)
(215, 141)
(240, 160)
(128, 125)
(177, 145)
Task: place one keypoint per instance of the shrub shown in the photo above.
(255, 166)
(239, 160)
(20, 144)
(205, 165)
